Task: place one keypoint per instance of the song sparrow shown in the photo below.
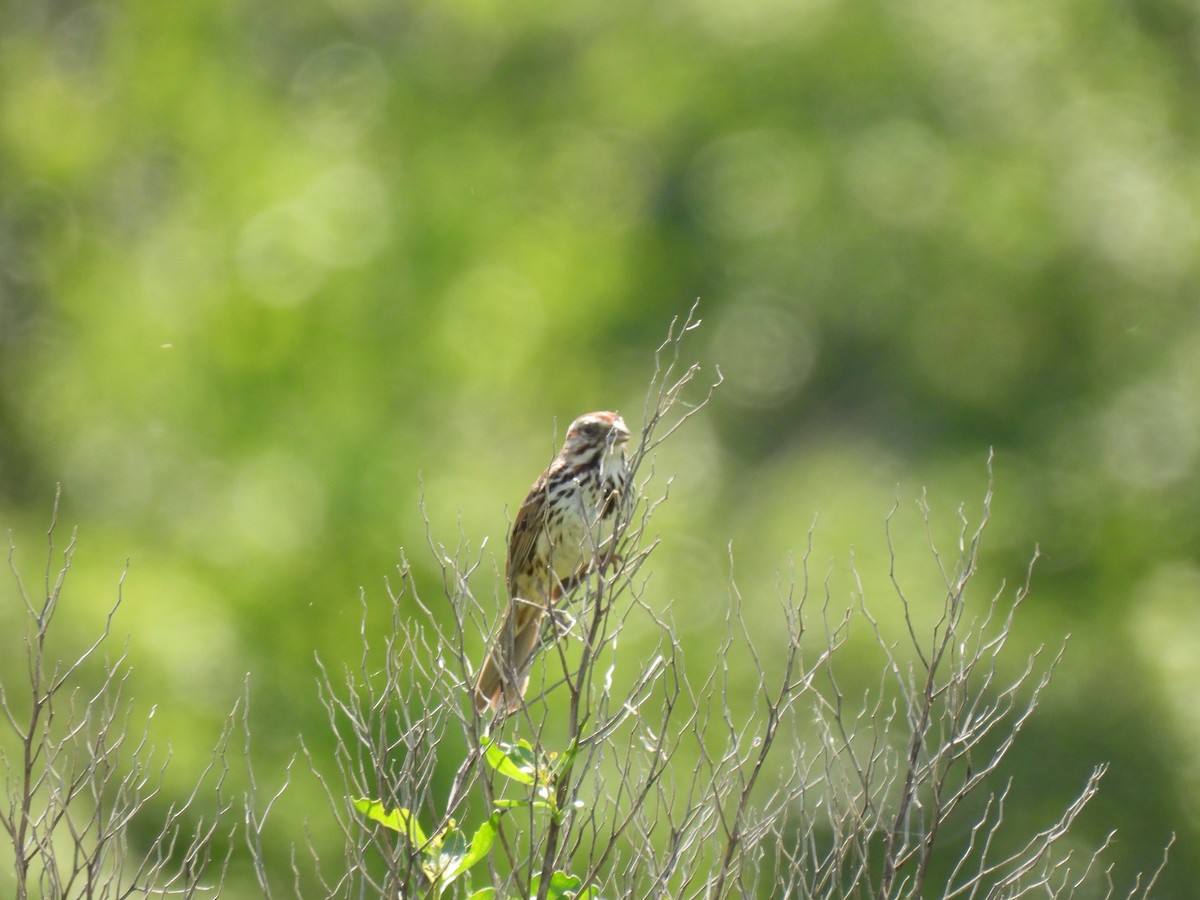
(563, 529)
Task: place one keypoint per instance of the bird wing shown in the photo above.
(522, 543)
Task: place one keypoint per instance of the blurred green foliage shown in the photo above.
(274, 275)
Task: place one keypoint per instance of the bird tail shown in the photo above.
(504, 674)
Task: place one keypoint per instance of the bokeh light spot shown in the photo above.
(342, 219)
(899, 171)
(493, 313)
(338, 93)
(272, 257)
(348, 217)
(277, 505)
(759, 21)
(1150, 436)
(765, 351)
(182, 274)
(753, 183)
(597, 178)
(1165, 625)
(1129, 210)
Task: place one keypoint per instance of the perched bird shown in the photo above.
(563, 529)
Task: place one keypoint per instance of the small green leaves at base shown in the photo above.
(444, 857)
(398, 819)
(514, 761)
(562, 887)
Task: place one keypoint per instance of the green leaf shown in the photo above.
(443, 868)
(399, 819)
(481, 843)
(562, 887)
(524, 756)
(517, 763)
(487, 893)
(566, 758)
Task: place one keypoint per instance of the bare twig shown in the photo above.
(86, 776)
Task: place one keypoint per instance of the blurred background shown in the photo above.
(270, 274)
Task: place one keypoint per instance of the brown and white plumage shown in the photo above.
(562, 529)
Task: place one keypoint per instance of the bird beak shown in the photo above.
(620, 432)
